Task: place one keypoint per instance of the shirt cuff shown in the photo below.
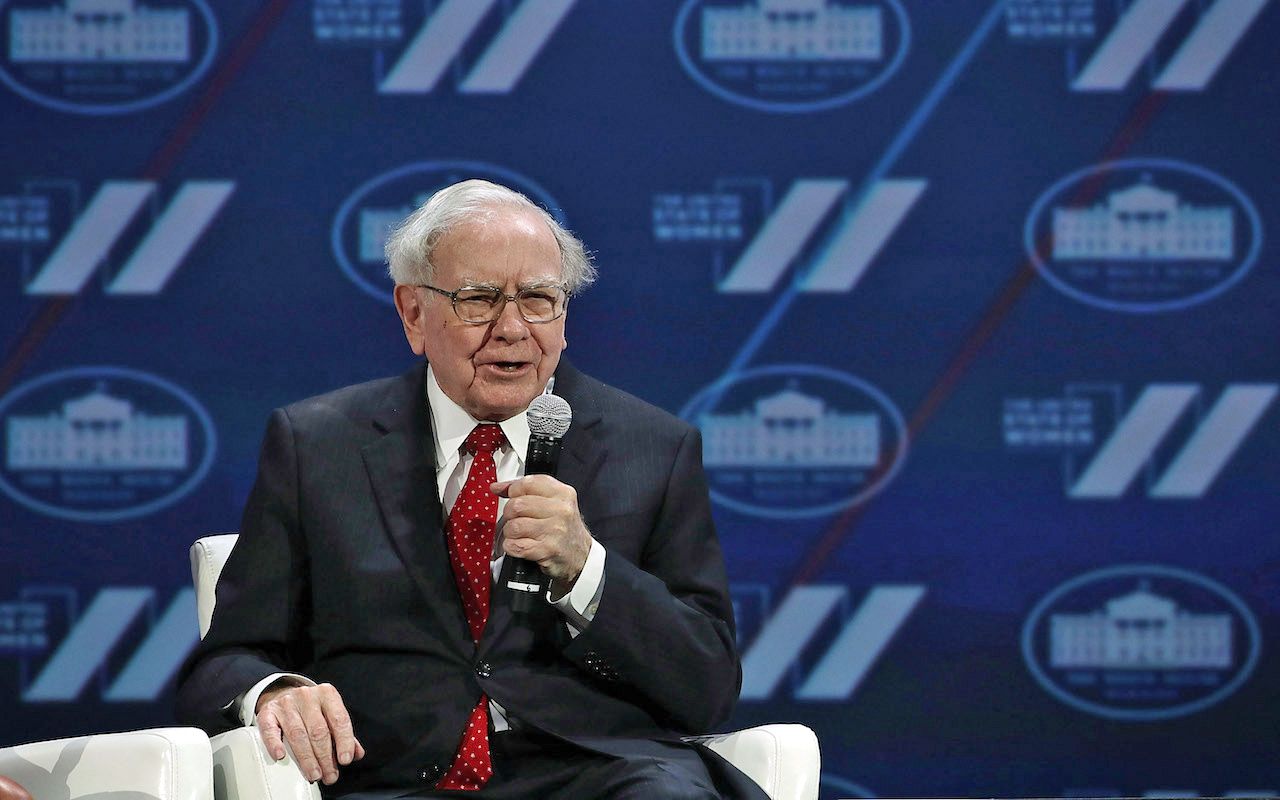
(580, 603)
(249, 701)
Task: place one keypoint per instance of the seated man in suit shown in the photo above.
(358, 617)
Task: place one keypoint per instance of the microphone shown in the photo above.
(549, 416)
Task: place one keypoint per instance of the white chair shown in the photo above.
(783, 759)
(159, 764)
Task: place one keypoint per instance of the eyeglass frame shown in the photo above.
(506, 298)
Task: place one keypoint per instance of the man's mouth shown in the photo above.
(508, 366)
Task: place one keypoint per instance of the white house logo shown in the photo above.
(1143, 235)
(101, 444)
(1141, 643)
(104, 56)
(362, 224)
(791, 55)
(796, 440)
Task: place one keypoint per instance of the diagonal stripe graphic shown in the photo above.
(990, 22)
(518, 43)
(1132, 40)
(88, 644)
(784, 636)
(172, 237)
(160, 656)
(784, 235)
(1134, 441)
(1216, 439)
(91, 237)
(861, 642)
(862, 235)
(1213, 39)
(436, 46)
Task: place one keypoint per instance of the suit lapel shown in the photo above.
(401, 467)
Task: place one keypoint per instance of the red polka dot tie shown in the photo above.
(470, 532)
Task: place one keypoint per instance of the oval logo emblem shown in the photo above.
(362, 224)
(796, 440)
(1143, 235)
(1141, 642)
(103, 444)
(792, 56)
(105, 56)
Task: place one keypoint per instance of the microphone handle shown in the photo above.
(525, 581)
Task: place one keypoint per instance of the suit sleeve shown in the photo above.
(664, 626)
(259, 621)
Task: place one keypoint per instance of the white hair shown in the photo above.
(410, 245)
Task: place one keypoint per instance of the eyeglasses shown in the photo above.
(476, 305)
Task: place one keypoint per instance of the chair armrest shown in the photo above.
(783, 759)
(162, 763)
(244, 770)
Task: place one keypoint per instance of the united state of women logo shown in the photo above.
(791, 56)
(103, 444)
(374, 209)
(1141, 643)
(797, 440)
(104, 56)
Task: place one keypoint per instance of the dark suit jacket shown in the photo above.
(342, 573)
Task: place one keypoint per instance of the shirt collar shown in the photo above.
(451, 425)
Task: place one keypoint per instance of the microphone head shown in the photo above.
(549, 415)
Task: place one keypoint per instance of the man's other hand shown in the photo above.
(314, 720)
(541, 523)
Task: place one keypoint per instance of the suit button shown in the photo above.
(484, 669)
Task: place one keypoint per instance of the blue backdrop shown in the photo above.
(973, 301)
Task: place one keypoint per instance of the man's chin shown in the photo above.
(496, 406)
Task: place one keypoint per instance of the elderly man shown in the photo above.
(358, 618)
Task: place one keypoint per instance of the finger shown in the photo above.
(543, 485)
(359, 750)
(272, 736)
(295, 733)
(321, 739)
(532, 506)
(335, 713)
(501, 488)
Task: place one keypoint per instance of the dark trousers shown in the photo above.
(534, 766)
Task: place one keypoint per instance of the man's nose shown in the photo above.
(510, 326)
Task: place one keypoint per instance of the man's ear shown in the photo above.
(412, 316)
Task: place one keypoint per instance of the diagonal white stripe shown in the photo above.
(862, 234)
(784, 636)
(1132, 40)
(435, 47)
(784, 235)
(91, 237)
(88, 645)
(172, 237)
(160, 656)
(517, 44)
(1213, 39)
(861, 642)
(1215, 441)
(1134, 441)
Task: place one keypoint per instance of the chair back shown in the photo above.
(208, 555)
